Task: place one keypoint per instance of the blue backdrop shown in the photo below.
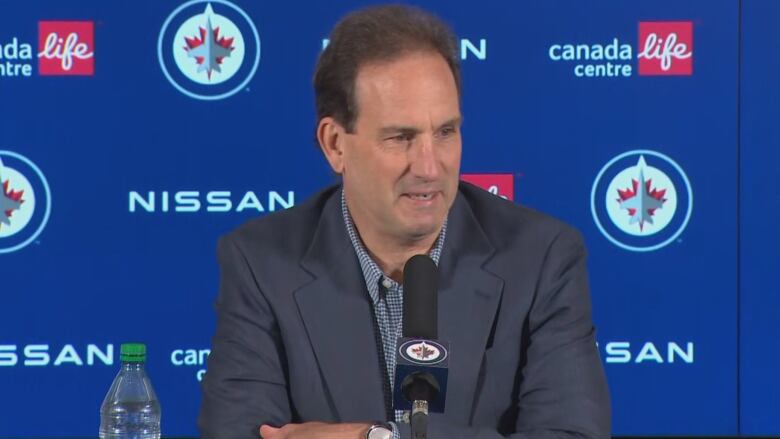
(647, 125)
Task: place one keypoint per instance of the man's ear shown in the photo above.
(331, 136)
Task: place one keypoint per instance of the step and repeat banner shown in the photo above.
(134, 134)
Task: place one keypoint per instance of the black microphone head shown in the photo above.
(421, 284)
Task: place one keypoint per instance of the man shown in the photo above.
(310, 298)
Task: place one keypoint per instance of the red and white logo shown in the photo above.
(502, 185)
(66, 48)
(426, 352)
(666, 48)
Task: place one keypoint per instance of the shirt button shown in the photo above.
(387, 283)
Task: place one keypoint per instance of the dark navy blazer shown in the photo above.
(295, 338)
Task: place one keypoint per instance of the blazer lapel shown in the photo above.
(469, 296)
(337, 313)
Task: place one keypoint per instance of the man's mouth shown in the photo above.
(424, 196)
(421, 196)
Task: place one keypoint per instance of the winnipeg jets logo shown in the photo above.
(423, 352)
(204, 55)
(10, 200)
(25, 201)
(641, 200)
(635, 208)
(209, 49)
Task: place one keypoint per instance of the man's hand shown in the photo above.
(315, 430)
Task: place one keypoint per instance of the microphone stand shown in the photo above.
(420, 388)
(419, 419)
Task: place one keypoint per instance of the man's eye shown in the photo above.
(403, 137)
(446, 131)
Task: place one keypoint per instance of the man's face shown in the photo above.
(401, 163)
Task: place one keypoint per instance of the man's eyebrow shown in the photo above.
(455, 121)
(394, 129)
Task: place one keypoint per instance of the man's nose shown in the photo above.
(424, 161)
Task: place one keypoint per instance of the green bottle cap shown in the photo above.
(133, 352)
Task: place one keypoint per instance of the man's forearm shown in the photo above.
(441, 429)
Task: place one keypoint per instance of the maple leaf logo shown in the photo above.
(641, 200)
(423, 351)
(209, 48)
(10, 200)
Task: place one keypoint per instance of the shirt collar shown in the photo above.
(371, 271)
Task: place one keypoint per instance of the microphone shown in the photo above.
(421, 360)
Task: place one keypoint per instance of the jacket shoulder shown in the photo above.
(508, 224)
(287, 232)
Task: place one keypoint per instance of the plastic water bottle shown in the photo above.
(130, 409)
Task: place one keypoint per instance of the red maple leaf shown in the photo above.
(192, 43)
(13, 195)
(625, 194)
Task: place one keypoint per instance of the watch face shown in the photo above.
(379, 432)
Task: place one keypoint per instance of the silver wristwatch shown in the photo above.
(380, 430)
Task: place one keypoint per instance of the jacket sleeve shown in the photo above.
(245, 385)
(563, 393)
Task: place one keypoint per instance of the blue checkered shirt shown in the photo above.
(387, 298)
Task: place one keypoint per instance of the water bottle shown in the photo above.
(130, 409)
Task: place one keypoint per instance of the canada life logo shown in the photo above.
(502, 185)
(666, 48)
(25, 201)
(641, 200)
(208, 49)
(66, 48)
